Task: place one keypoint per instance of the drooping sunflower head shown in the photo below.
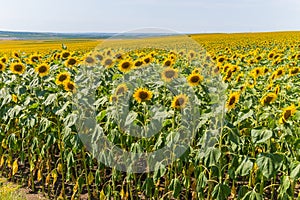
(142, 95)
(71, 62)
(287, 113)
(18, 68)
(121, 89)
(232, 100)
(2, 66)
(268, 98)
(294, 71)
(125, 66)
(180, 101)
(62, 77)
(42, 70)
(194, 79)
(168, 74)
(69, 86)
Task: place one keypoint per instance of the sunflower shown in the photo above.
(71, 62)
(2, 66)
(138, 63)
(34, 58)
(294, 71)
(147, 60)
(99, 56)
(3, 59)
(107, 62)
(279, 72)
(113, 98)
(194, 79)
(232, 100)
(179, 101)
(69, 86)
(287, 113)
(221, 59)
(196, 70)
(42, 70)
(65, 54)
(125, 66)
(168, 74)
(89, 60)
(142, 94)
(239, 77)
(269, 98)
(18, 68)
(168, 63)
(62, 77)
(256, 72)
(121, 89)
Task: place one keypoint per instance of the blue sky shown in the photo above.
(191, 16)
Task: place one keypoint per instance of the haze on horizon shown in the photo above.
(189, 16)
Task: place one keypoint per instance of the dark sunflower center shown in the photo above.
(120, 90)
(3, 60)
(221, 59)
(1, 66)
(42, 69)
(295, 71)
(34, 58)
(99, 57)
(268, 99)
(257, 71)
(89, 60)
(18, 68)
(62, 78)
(279, 72)
(125, 65)
(167, 63)
(119, 56)
(195, 79)
(108, 62)
(232, 101)
(180, 101)
(147, 60)
(138, 63)
(72, 61)
(71, 86)
(287, 114)
(143, 95)
(170, 74)
(65, 55)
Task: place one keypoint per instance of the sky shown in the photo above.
(183, 16)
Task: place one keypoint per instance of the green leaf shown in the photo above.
(221, 192)
(260, 135)
(252, 195)
(212, 157)
(245, 167)
(175, 186)
(295, 174)
(243, 117)
(266, 165)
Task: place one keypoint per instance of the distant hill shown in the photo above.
(12, 35)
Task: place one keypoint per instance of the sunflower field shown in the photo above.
(248, 82)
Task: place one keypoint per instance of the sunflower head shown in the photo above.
(142, 94)
(65, 54)
(232, 100)
(3, 59)
(168, 74)
(138, 63)
(2, 66)
(194, 79)
(287, 113)
(277, 89)
(294, 71)
(113, 98)
(125, 66)
(34, 58)
(69, 86)
(62, 77)
(168, 63)
(107, 62)
(89, 60)
(18, 68)
(268, 98)
(121, 89)
(42, 70)
(71, 62)
(179, 101)
(280, 72)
